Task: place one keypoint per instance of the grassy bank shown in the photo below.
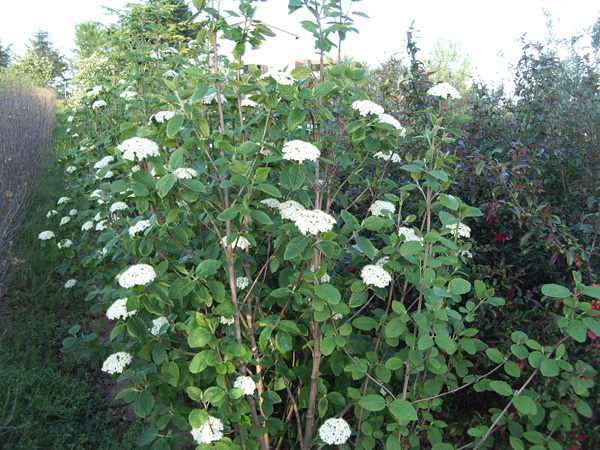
(48, 400)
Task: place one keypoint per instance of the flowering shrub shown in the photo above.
(297, 289)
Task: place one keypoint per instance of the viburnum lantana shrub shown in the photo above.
(275, 271)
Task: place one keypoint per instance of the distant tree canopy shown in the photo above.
(42, 63)
(5, 56)
(175, 20)
(89, 37)
(449, 64)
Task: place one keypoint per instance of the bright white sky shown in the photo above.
(488, 31)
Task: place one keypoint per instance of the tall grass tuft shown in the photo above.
(26, 121)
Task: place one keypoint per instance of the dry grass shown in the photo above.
(26, 122)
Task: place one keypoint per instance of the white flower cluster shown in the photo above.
(170, 74)
(366, 107)
(128, 95)
(409, 235)
(70, 119)
(64, 220)
(249, 102)
(71, 169)
(227, 320)
(335, 431)
(138, 147)
(45, 235)
(282, 78)
(375, 275)
(391, 120)
(383, 261)
(118, 310)
(103, 163)
(246, 384)
(163, 116)
(66, 243)
(157, 325)
(98, 104)
(212, 97)
(242, 282)
(379, 206)
(51, 213)
(63, 200)
(209, 431)
(87, 226)
(314, 222)
(337, 316)
(325, 278)
(137, 275)
(395, 157)
(116, 362)
(185, 173)
(73, 212)
(271, 202)
(70, 283)
(444, 90)
(139, 227)
(101, 226)
(95, 91)
(118, 206)
(300, 151)
(241, 242)
(460, 229)
(96, 194)
(290, 210)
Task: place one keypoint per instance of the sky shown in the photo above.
(489, 32)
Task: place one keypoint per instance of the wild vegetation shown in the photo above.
(327, 256)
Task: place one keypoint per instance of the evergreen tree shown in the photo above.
(5, 56)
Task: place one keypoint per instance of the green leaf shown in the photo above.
(176, 159)
(328, 293)
(449, 201)
(143, 404)
(146, 437)
(170, 371)
(296, 176)
(410, 248)
(137, 328)
(395, 328)
(328, 345)
(165, 184)
(207, 267)
(350, 220)
(366, 247)
(555, 291)
(549, 368)
(269, 189)
(229, 214)
(591, 291)
(524, 404)
(501, 387)
(324, 88)
(174, 125)
(459, 286)
(295, 118)
(300, 73)
(296, 246)
(372, 402)
(374, 223)
(403, 411)
(180, 288)
(261, 217)
(283, 342)
(199, 337)
(494, 355)
(364, 323)
(577, 330)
